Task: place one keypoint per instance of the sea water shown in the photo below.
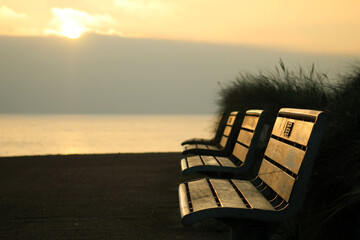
(86, 134)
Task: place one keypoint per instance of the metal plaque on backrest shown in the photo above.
(288, 128)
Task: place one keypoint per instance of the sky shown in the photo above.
(122, 56)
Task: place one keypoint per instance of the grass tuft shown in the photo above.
(332, 207)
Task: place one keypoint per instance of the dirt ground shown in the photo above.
(108, 196)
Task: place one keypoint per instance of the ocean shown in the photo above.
(22, 135)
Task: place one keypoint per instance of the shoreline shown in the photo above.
(95, 196)
(87, 154)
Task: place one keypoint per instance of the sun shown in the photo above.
(71, 29)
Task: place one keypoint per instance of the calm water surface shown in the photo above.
(68, 134)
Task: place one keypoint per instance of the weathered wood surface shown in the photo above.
(250, 122)
(285, 154)
(183, 200)
(227, 195)
(223, 141)
(201, 195)
(281, 182)
(227, 131)
(300, 132)
(213, 147)
(240, 152)
(231, 119)
(245, 137)
(252, 195)
(194, 161)
(210, 160)
(226, 162)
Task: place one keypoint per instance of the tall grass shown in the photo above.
(332, 206)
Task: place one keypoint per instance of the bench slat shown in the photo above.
(227, 131)
(190, 146)
(231, 120)
(183, 164)
(212, 147)
(240, 152)
(226, 162)
(245, 137)
(252, 195)
(227, 195)
(183, 201)
(194, 161)
(300, 131)
(250, 122)
(201, 195)
(201, 146)
(223, 141)
(210, 160)
(294, 112)
(285, 154)
(281, 182)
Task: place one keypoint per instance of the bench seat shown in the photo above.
(216, 139)
(243, 154)
(222, 198)
(226, 144)
(277, 192)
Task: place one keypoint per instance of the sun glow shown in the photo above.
(69, 23)
(71, 29)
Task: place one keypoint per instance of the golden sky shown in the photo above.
(321, 26)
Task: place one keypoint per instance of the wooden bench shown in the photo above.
(227, 141)
(278, 191)
(243, 154)
(216, 139)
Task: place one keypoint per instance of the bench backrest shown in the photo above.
(221, 124)
(290, 153)
(249, 134)
(228, 129)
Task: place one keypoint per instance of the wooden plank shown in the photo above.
(211, 147)
(194, 161)
(250, 122)
(223, 141)
(188, 147)
(240, 152)
(245, 137)
(183, 201)
(227, 131)
(210, 160)
(300, 131)
(226, 193)
(201, 146)
(226, 162)
(252, 195)
(183, 164)
(300, 112)
(201, 195)
(231, 120)
(285, 154)
(281, 182)
(254, 112)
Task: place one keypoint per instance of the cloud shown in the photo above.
(71, 22)
(7, 13)
(142, 6)
(14, 23)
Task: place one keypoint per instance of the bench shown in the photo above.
(278, 191)
(227, 141)
(216, 139)
(243, 154)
